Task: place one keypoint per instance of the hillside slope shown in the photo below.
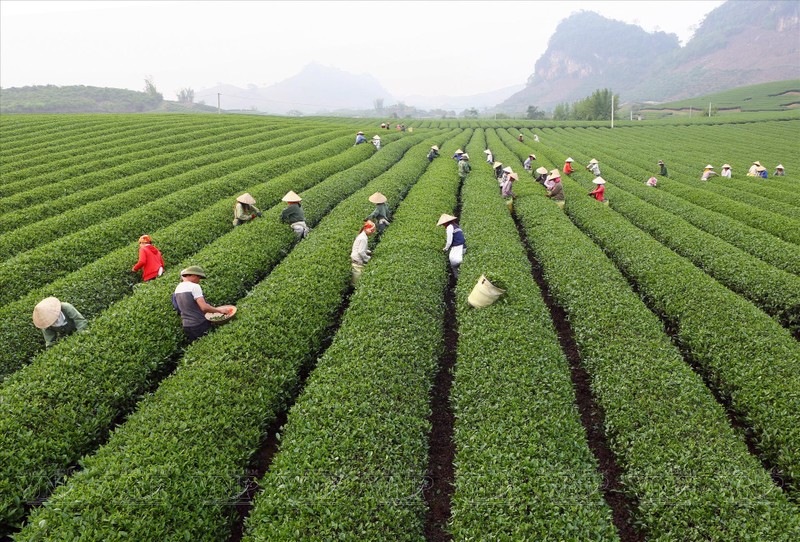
(739, 43)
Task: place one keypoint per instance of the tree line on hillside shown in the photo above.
(595, 107)
(77, 99)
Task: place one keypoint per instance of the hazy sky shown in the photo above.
(429, 47)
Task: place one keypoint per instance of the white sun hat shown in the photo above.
(291, 197)
(445, 218)
(46, 312)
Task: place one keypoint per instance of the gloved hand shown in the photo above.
(259, 213)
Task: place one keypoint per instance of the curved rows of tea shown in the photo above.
(37, 200)
(352, 461)
(773, 290)
(196, 189)
(79, 210)
(749, 358)
(523, 471)
(246, 395)
(105, 280)
(652, 400)
(97, 375)
(51, 167)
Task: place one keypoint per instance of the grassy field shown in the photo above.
(774, 96)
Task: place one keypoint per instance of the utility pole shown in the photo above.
(690, 111)
(219, 111)
(631, 113)
(612, 109)
(709, 109)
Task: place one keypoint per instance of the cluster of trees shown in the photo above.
(595, 107)
(77, 99)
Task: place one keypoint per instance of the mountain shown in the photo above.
(739, 43)
(459, 103)
(315, 89)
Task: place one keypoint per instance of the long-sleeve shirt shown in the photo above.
(557, 192)
(506, 191)
(455, 237)
(151, 260)
(594, 168)
(489, 157)
(598, 192)
(73, 321)
(663, 171)
(706, 174)
(527, 163)
(293, 213)
(726, 173)
(381, 212)
(242, 214)
(567, 168)
(358, 254)
(360, 139)
(463, 168)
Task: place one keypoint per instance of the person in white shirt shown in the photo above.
(489, 156)
(360, 253)
(726, 171)
(594, 167)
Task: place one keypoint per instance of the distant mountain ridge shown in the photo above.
(739, 43)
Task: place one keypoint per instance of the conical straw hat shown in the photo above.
(761, 168)
(497, 164)
(779, 166)
(246, 198)
(541, 170)
(445, 218)
(569, 159)
(554, 174)
(459, 151)
(465, 156)
(726, 166)
(593, 161)
(434, 147)
(513, 176)
(709, 166)
(291, 197)
(377, 198)
(376, 137)
(508, 169)
(756, 163)
(599, 180)
(46, 312)
(487, 151)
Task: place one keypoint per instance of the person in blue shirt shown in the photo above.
(761, 171)
(457, 155)
(360, 138)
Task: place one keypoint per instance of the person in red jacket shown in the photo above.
(150, 259)
(599, 192)
(568, 166)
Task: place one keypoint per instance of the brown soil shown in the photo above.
(438, 490)
(591, 414)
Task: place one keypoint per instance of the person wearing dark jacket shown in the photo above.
(294, 215)
(433, 153)
(663, 171)
(381, 215)
(150, 260)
